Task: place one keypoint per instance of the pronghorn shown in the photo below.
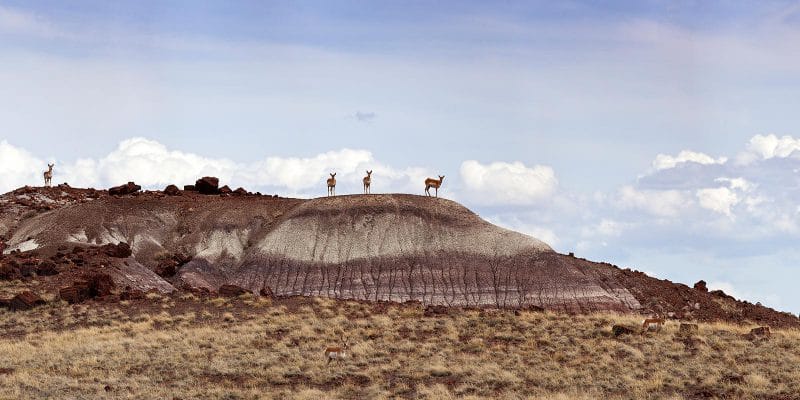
(332, 185)
(433, 183)
(652, 324)
(367, 181)
(48, 175)
(336, 352)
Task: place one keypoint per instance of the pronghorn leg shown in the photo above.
(437, 192)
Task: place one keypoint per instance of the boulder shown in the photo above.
(189, 188)
(172, 190)
(207, 185)
(122, 190)
(701, 285)
(225, 190)
(240, 191)
(94, 285)
(25, 301)
(231, 291)
(119, 250)
(75, 293)
(619, 330)
(46, 268)
(762, 332)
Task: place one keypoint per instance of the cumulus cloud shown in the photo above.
(606, 227)
(719, 200)
(153, 165)
(764, 147)
(18, 167)
(664, 161)
(507, 183)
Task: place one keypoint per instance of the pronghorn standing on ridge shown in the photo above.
(336, 352)
(433, 183)
(367, 181)
(332, 185)
(48, 175)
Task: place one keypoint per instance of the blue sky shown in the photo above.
(656, 135)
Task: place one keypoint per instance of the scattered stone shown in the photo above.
(762, 332)
(225, 190)
(119, 250)
(128, 188)
(240, 192)
(172, 190)
(46, 268)
(207, 185)
(95, 285)
(25, 301)
(619, 330)
(231, 291)
(433, 310)
(687, 329)
(701, 286)
(266, 291)
(131, 294)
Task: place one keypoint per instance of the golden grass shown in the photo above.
(248, 348)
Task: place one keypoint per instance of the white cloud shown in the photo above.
(152, 165)
(737, 183)
(719, 200)
(662, 203)
(764, 147)
(507, 183)
(18, 168)
(664, 161)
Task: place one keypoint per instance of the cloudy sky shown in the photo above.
(661, 136)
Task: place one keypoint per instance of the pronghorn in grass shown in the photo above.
(433, 183)
(336, 352)
(367, 181)
(332, 185)
(652, 324)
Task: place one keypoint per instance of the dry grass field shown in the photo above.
(185, 347)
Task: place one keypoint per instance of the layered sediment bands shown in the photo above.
(544, 279)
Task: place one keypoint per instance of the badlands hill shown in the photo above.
(389, 247)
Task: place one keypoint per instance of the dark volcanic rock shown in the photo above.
(94, 285)
(119, 250)
(240, 191)
(762, 332)
(25, 301)
(225, 190)
(75, 293)
(189, 188)
(127, 188)
(46, 268)
(619, 330)
(231, 291)
(266, 291)
(701, 285)
(172, 190)
(207, 185)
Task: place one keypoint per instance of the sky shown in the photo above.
(656, 135)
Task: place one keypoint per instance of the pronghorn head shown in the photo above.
(441, 178)
(333, 175)
(50, 166)
(369, 173)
